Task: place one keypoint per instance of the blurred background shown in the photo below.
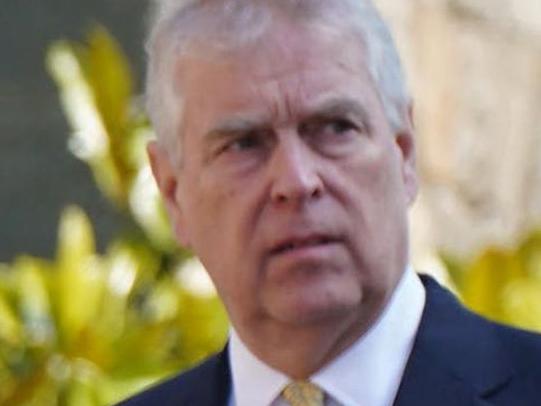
(38, 175)
(96, 300)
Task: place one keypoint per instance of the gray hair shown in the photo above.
(186, 26)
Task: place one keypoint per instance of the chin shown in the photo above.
(317, 306)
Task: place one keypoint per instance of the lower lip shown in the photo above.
(307, 252)
(294, 263)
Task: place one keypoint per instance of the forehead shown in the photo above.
(290, 64)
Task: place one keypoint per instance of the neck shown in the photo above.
(301, 351)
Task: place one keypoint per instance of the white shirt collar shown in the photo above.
(254, 382)
(368, 373)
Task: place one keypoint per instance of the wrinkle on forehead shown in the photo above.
(288, 82)
(279, 69)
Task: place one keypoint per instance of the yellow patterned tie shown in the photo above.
(303, 393)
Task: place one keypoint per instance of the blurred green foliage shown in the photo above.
(503, 284)
(90, 328)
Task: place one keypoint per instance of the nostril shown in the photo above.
(282, 198)
(298, 195)
(298, 192)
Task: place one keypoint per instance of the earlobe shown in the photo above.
(166, 179)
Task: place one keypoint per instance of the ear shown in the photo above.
(405, 140)
(166, 177)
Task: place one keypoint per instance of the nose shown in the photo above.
(295, 175)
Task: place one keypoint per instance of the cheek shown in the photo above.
(381, 175)
(372, 192)
(199, 213)
(368, 172)
(216, 218)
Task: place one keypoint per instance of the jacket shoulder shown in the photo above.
(523, 347)
(191, 387)
(498, 361)
(521, 344)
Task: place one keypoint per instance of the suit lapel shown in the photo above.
(425, 384)
(456, 358)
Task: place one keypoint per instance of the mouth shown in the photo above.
(297, 243)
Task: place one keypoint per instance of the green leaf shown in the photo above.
(34, 301)
(503, 284)
(80, 279)
(96, 93)
(11, 331)
(487, 279)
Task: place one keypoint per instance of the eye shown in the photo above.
(242, 143)
(333, 135)
(338, 126)
(328, 129)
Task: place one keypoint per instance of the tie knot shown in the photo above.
(303, 393)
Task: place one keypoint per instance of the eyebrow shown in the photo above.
(340, 107)
(234, 126)
(333, 107)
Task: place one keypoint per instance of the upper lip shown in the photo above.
(297, 241)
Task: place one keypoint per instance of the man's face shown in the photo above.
(293, 190)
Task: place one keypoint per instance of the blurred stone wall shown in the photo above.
(474, 67)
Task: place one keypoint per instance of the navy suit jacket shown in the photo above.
(458, 359)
